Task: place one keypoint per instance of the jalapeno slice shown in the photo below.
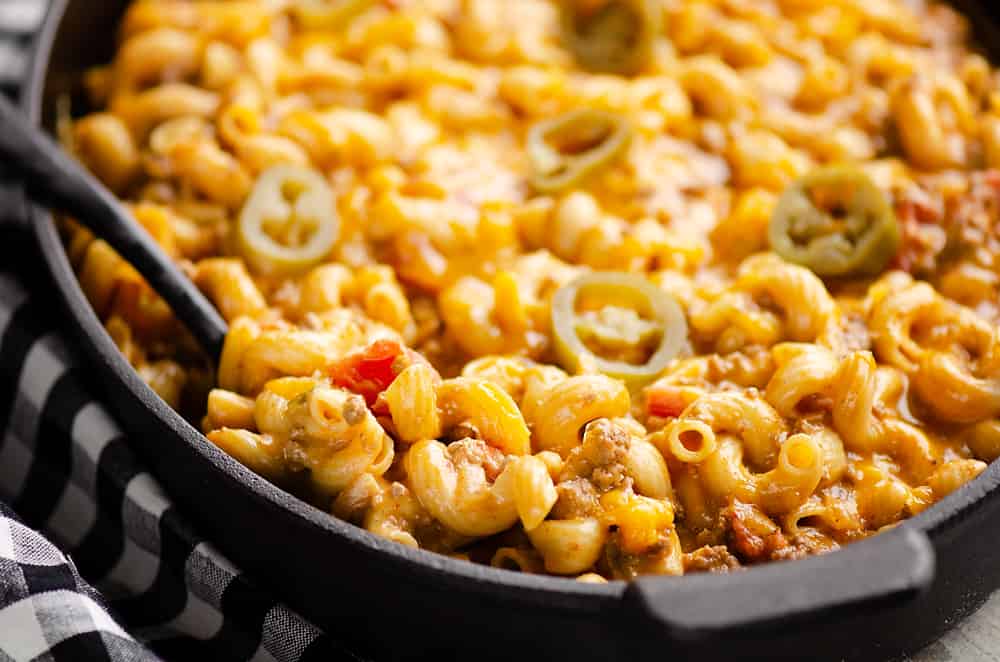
(836, 222)
(610, 36)
(289, 222)
(567, 149)
(622, 314)
(328, 14)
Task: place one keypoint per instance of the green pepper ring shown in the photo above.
(834, 254)
(316, 203)
(631, 51)
(643, 297)
(556, 171)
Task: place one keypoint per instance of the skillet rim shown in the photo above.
(419, 564)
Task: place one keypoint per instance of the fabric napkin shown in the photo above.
(66, 468)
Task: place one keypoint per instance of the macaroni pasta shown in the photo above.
(593, 288)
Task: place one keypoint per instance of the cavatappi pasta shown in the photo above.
(594, 288)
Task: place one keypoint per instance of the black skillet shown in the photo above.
(875, 600)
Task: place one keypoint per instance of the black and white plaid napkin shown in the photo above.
(48, 612)
(119, 574)
(18, 21)
(66, 468)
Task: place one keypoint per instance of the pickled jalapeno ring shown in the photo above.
(636, 314)
(610, 36)
(289, 222)
(565, 150)
(836, 222)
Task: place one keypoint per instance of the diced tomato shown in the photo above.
(370, 371)
(919, 209)
(375, 363)
(992, 178)
(920, 217)
(665, 401)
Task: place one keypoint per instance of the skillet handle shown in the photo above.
(52, 178)
(886, 569)
(12, 202)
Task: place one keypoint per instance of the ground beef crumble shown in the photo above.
(601, 456)
(714, 558)
(938, 227)
(752, 534)
(478, 452)
(577, 498)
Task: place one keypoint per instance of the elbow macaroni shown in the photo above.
(405, 379)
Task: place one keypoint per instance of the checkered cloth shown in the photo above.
(18, 21)
(49, 612)
(67, 469)
(119, 574)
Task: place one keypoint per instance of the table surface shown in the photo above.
(976, 639)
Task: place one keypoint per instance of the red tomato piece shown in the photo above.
(665, 401)
(992, 178)
(375, 363)
(370, 371)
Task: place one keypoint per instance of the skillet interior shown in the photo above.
(259, 525)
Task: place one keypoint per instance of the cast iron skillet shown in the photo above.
(877, 599)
